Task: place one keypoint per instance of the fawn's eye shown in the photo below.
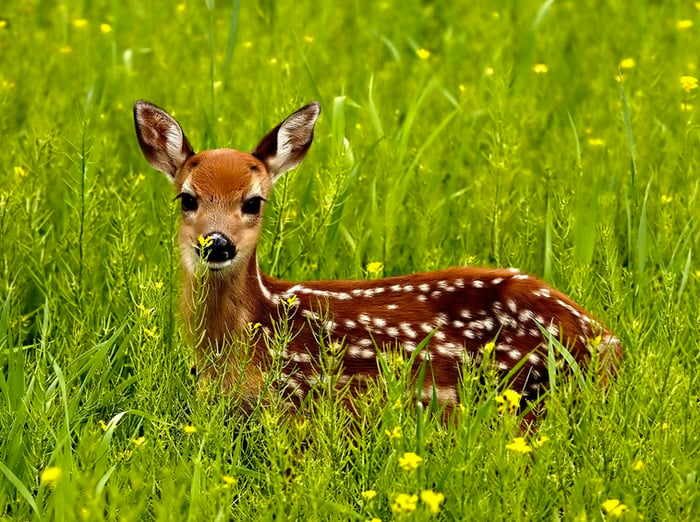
(188, 202)
(252, 205)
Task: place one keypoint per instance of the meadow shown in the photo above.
(557, 137)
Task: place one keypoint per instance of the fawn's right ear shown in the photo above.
(161, 138)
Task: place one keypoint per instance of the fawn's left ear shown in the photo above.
(286, 145)
(161, 138)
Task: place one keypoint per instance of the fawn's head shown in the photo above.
(222, 191)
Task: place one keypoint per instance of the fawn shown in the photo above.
(465, 311)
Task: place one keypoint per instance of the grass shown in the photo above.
(462, 155)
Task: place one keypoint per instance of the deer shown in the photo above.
(447, 318)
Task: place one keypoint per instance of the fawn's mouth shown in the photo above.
(215, 266)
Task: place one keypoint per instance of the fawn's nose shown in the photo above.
(216, 248)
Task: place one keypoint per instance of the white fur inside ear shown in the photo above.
(295, 133)
(173, 141)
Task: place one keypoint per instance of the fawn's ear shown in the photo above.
(161, 138)
(286, 145)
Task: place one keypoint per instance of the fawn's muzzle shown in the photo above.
(216, 249)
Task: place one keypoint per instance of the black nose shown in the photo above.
(216, 248)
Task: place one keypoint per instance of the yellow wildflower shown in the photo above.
(139, 441)
(189, 430)
(666, 199)
(638, 464)
(292, 300)
(432, 500)
(627, 63)
(103, 425)
(410, 461)
(105, 28)
(369, 494)
(375, 267)
(404, 503)
(519, 446)
(541, 441)
(50, 476)
(308, 38)
(596, 142)
(205, 242)
(686, 107)
(689, 83)
(488, 348)
(80, 23)
(3, 24)
(614, 507)
(228, 481)
(684, 24)
(619, 78)
(423, 54)
(253, 327)
(20, 172)
(489, 71)
(540, 68)
(158, 285)
(151, 332)
(509, 401)
(394, 433)
(374, 519)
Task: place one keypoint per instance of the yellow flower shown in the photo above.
(596, 142)
(139, 441)
(627, 63)
(684, 24)
(375, 267)
(394, 433)
(689, 83)
(686, 107)
(151, 332)
(488, 348)
(205, 242)
(369, 494)
(489, 71)
(638, 464)
(409, 461)
(509, 401)
(80, 23)
(292, 300)
(375, 519)
(3, 24)
(423, 54)
(432, 500)
(541, 441)
(20, 172)
(666, 199)
(105, 28)
(614, 507)
(228, 481)
(189, 430)
(519, 446)
(50, 476)
(180, 8)
(308, 38)
(253, 327)
(404, 503)
(103, 425)
(540, 68)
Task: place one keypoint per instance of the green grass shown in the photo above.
(466, 157)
